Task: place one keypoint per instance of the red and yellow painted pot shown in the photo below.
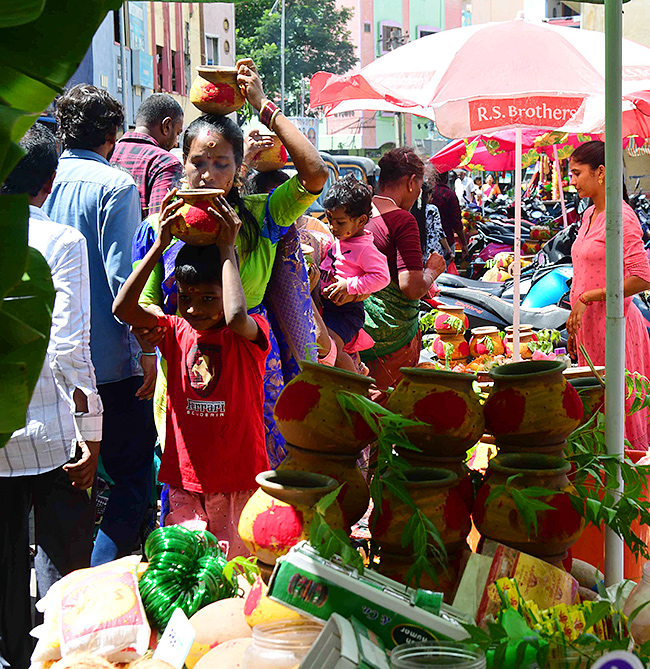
(215, 90)
(279, 514)
(486, 341)
(531, 406)
(450, 320)
(447, 405)
(354, 496)
(526, 337)
(500, 519)
(592, 395)
(309, 415)
(272, 158)
(464, 486)
(454, 343)
(193, 224)
(434, 492)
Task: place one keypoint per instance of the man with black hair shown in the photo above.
(145, 152)
(65, 410)
(103, 204)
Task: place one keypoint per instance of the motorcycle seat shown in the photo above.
(550, 317)
(454, 281)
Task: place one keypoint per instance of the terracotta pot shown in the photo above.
(308, 414)
(215, 90)
(531, 406)
(273, 158)
(279, 514)
(354, 495)
(500, 519)
(486, 341)
(522, 328)
(465, 488)
(194, 224)
(592, 395)
(433, 492)
(443, 327)
(448, 405)
(525, 337)
(460, 349)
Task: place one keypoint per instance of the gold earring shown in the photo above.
(600, 180)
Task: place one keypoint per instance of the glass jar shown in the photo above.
(440, 654)
(640, 627)
(281, 644)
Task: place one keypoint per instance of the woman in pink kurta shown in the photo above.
(587, 324)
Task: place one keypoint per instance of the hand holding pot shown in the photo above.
(229, 222)
(250, 83)
(255, 142)
(168, 214)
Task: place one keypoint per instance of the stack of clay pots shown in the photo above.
(449, 341)
(323, 441)
(531, 411)
(526, 336)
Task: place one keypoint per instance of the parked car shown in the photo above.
(364, 169)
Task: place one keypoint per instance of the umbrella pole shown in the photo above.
(615, 335)
(517, 264)
(559, 176)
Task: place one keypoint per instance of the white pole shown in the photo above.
(517, 264)
(282, 39)
(559, 176)
(615, 333)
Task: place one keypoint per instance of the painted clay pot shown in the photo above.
(279, 514)
(457, 324)
(522, 328)
(531, 406)
(434, 492)
(354, 495)
(194, 225)
(215, 90)
(557, 529)
(592, 395)
(486, 341)
(308, 414)
(273, 158)
(464, 487)
(526, 337)
(460, 350)
(448, 405)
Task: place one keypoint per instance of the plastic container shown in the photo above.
(280, 645)
(440, 654)
(640, 627)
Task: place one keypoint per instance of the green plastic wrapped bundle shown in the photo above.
(185, 571)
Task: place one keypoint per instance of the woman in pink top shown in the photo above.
(586, 324)
(352, 265)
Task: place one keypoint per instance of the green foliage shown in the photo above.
(247, 567)
(316, 39)
(546, 340)
(489, 344)
(14, 13)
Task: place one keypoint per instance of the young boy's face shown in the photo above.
(201, 305)
(344, 226)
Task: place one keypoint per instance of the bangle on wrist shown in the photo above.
(604, 295)
(140, 354)
(268, 112)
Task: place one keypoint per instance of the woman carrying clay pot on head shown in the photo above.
(213, 148)
(392, 313)
(586, 324)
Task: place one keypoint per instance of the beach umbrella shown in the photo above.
(540, 76)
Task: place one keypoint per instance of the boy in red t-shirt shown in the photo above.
(216, 356)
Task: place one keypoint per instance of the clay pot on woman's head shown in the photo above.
(308, 413)
(272, 158)
(215, 90)
(446, 404)
(193, 223)
(531, 406)
(500, 519)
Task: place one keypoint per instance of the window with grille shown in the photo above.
(212, 50)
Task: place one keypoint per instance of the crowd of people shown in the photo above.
(154, 340)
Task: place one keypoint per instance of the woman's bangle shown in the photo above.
(139, 354)
(268, 112)
(604, 295)
(582, 299)
(272, 121)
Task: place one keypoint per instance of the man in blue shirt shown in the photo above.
(103, 203)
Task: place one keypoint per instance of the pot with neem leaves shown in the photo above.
(450, 319)
(486, 341)
(447, 406)
(503, 512)
(531, 406)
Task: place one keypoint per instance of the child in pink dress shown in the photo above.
(587, 322)
(352, 265)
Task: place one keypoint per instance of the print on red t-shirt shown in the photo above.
(215, 394)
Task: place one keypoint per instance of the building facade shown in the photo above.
(377, 27)
(162, 43)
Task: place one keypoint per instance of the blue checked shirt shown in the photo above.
(103, 203)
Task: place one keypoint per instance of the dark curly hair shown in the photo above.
(87, 116)
(398, 163)
(196, 265)
(231, 132)
(354, 196)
